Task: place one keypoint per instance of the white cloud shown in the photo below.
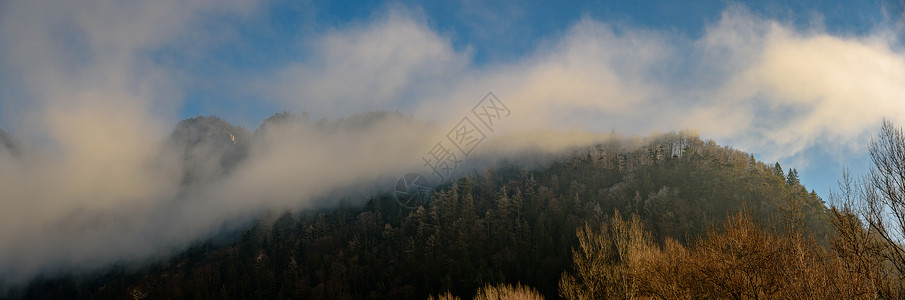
(86, 91)
(373, 66)
(752, 82)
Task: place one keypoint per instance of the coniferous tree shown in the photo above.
(792, 179)
(507, 225)
(777, 169)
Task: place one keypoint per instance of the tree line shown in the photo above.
(506, 228)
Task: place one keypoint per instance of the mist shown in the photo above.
(91, 174)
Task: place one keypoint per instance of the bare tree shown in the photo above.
(605, 261)
(883, 192)
(507, 292)
(870, 217)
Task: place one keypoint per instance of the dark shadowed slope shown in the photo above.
(503, 224)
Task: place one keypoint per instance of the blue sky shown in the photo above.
(501, 32)
(493, 31)
(246, 60)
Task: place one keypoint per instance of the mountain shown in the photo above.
(209, 147)
(282, 119)
(8, 143)
(503, 224)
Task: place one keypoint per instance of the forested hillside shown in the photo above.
(452, 150)
(505, 224)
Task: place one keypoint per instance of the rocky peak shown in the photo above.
(8, 143)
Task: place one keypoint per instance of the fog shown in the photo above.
(94, 177)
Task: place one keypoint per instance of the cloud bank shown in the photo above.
(95, 181)
(757, 83)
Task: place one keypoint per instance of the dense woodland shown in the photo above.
(497, 226)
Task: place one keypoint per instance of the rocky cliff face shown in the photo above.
(8, 143)
(210, 147)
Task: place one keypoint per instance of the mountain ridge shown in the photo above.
(503, 223)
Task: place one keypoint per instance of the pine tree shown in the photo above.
(792, 179)
(777, 169)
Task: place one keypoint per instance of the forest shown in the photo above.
(452, 150)
(679, 217)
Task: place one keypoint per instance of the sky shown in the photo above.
(93, 87)
(495, 35)
(226, 53)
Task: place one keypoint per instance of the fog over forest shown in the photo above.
(134, 135)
